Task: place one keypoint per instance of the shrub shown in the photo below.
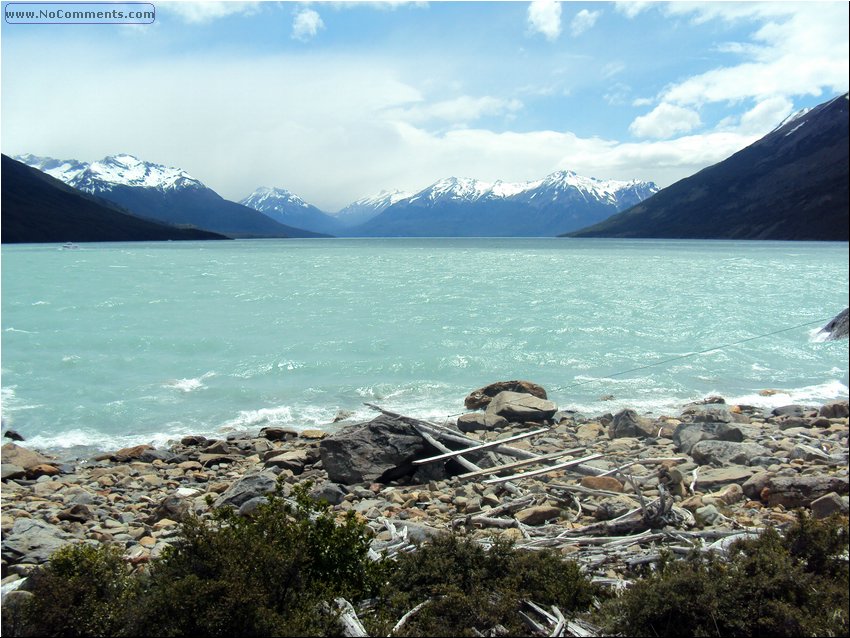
(471, 588)
(83, 591)
(258, 576)
(791, 586)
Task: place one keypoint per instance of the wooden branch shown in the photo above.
(544, 470)
(407, 616)
(482, 446)
(469, 465)
(515, 464)
(350, 623)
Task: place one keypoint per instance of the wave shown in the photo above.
(190, 385)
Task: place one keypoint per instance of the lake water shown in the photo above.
(119, 344)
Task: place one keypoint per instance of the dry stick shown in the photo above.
(644, 462)
(452, 435)
(515, 464)
(469, 465)
(544, 470)
(351, 625)
(482, 446)
(407, 616)
(559, 627)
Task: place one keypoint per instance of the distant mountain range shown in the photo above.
(792, 184)
(169, 195)
(37, 208)
(462, 207)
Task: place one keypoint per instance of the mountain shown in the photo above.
(792, 184)
(366, 208)
(38, 208)
(466, 207)
(162, 193)
(287, 208)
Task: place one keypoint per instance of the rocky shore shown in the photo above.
(609, 490)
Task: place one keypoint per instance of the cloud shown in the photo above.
(583, 21)
(456, 111)
(205, 12)
(664, 121)
(544, 16)
(306, 25)
(632, 9)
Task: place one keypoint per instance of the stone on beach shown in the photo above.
(520, 407)
(481, 397)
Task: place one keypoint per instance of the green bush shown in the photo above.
(83, 591)
(258, 576)
(471, 588)
(773, 586)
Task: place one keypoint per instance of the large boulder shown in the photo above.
(381, 450)
(520, 407)
(481, 397)
(839, 327)
(627, 423)
(802, 490)
(247, 488)
(32, 540)
(686, 435)
(723, 453)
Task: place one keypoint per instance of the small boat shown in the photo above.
(70, 246)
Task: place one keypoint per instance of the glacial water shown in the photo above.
(118, 344)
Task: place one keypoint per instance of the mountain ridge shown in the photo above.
(792, 184)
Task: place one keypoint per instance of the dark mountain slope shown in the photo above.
(790, 185)
(38, 208)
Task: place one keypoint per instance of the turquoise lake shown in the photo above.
(118, 344)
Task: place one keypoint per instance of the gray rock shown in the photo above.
(829, 504)
(13, 609)
(627, 423)
(480, 421)
(249, 507)
(294, 460)
(722, 453)
(333, 493)
(538, 514)
(381, 450)
(708, 413)
(33, 541)
(613, 506)
(686, 435)
(481, 397)
(808, 453)
(800, 491)
(14, 435)
(10, 472)
(835, 410)
(516, 406)
(838, 327)
(247, 488)
(755, 484)
(797, 411)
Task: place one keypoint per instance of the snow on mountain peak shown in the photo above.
(266, 197)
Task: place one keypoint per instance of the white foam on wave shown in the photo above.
(818, 335)
(189, 385)
(812, 394)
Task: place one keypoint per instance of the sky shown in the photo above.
(335, 101)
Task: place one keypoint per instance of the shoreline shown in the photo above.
(727, 468)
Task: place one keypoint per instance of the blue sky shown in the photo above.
(339, 100)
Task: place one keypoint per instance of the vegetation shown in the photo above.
(274, 573)
(768, 586)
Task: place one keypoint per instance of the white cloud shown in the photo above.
(306, 25)
(631, 8)
(205, 12)
(583, 20)
(765, 115)
(664, 121)
(456, 111)
(800, 49)
(544, 16)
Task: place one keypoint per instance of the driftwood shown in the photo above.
(407, 617)
(544, 470)
(482, 446)
(516, 464)
(469, 465)
(348, 620)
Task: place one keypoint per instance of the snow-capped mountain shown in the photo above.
(457, 206)
(161, 193)
(366, 208)
(111, 171)
(286, 207)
